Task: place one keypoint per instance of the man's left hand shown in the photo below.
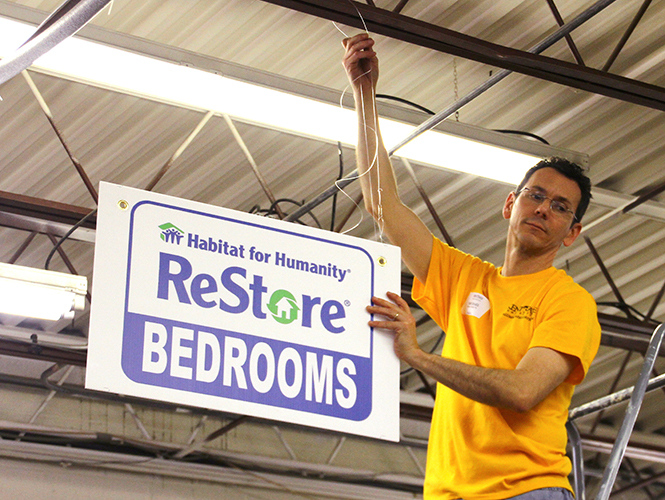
(401, 321)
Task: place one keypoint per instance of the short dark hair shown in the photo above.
(572, 171)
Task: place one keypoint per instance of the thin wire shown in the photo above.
(340, 30)
(379, 222)
(374, 162)
(362, 19)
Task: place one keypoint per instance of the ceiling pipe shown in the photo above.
(67, 20)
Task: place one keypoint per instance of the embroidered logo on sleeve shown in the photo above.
(476, 305)
(521, 312)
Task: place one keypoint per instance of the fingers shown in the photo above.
(397, 298)
(387, 325)
(397, 324)
(358, 47)
(392, 315)
(360, 62)
(397, 310)
(350, 41)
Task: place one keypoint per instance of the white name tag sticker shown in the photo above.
(476, 305)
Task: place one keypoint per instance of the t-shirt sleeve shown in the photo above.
(570, 325)
(443, 276)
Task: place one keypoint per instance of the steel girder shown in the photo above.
(434, 37)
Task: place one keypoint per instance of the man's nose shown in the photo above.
(544, 207)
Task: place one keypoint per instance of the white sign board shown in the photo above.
(209, 307)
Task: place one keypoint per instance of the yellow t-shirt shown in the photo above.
(480, 452)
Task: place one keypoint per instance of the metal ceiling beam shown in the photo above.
(23, 248)
(61, 137)
(398, 8)
(439, 118)
(615, 289)
(655, 303)
(178, 152)
(569, 40)
(624, 333)
(653, 192)
(67, 20)
(274, 203)
(411, 410)
(640, 451)
(423, 194)
(451, 42)
(46, 210)
(42, 353)
(341, 482)
(44, 216)
(626, 35)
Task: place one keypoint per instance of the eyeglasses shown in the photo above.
(558, 208)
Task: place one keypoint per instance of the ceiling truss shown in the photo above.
(54, 219)
(434, 37)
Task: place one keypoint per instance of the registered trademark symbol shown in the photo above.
(347, 303)
(382, 261)
(123, 205)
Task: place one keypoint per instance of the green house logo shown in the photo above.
(283, 307)
(171, 233)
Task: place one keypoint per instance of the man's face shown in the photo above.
(535, 227)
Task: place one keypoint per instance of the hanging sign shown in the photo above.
(209, 307)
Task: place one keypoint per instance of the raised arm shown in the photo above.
(402, 227)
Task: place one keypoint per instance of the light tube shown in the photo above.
(120, 70)
(36, 293)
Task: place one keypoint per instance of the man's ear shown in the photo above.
(508, 205)
(573, 233)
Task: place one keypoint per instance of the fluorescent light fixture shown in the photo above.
(36, 293)
(120, 70)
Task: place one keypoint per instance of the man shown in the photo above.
(518, 337)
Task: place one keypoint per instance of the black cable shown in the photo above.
(50, 385)
(430, 112)
(67, 235)
(519, 132)
(404, 101)
(296, 203)
(256, 209)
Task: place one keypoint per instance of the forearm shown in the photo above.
(494, 387)
(539, 372)
(373, 162)
(377, 179)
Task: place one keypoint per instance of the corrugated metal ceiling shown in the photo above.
(125, 139)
